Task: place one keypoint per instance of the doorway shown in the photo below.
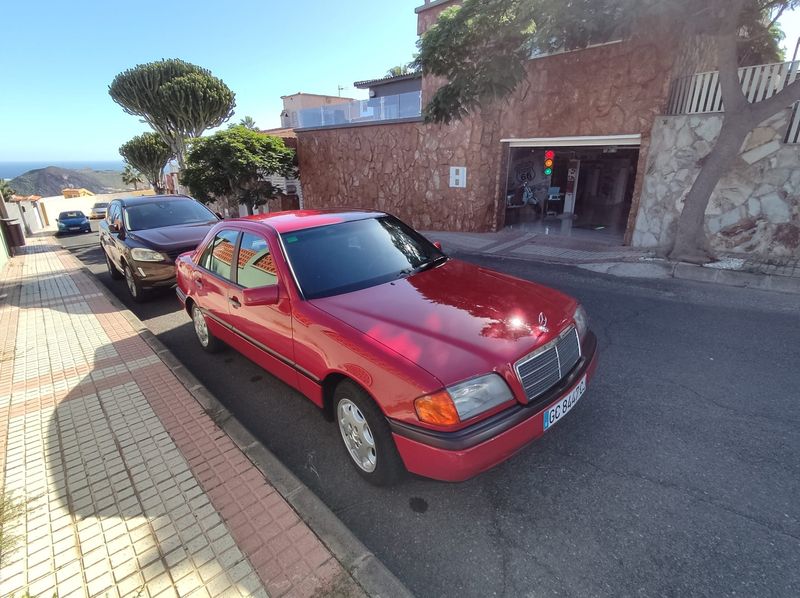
(577, 190)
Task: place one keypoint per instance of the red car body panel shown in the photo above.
(459, 465)
(399, 340)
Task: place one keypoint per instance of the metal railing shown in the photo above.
(404, 105)
(701, 93)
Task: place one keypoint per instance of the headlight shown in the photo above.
(581, 319)
(61, 225)
(479, 394)
(147, 255)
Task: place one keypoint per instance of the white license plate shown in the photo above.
(74, 228)
(560, 409)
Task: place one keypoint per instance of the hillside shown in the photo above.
(51, 180)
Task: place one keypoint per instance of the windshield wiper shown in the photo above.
(431, 263)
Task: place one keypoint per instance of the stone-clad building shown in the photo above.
(591, 112)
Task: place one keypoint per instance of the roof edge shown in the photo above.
(387, 79)
(431, 4)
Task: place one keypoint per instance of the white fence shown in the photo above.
(701, 93)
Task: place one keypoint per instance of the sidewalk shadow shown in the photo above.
(114, 470)
(47, 291)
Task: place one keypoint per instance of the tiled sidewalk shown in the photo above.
(132, 489)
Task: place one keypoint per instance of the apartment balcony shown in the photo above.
(401, 107)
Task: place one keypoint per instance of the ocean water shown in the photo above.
(9, 170)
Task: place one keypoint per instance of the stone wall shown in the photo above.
(404, 167)
(755, 207)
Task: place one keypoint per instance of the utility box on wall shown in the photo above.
(458, 176)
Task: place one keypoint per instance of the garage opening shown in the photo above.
(583, 189)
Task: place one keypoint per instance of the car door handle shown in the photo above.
(235, 303)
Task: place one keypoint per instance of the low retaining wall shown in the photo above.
(755, 207)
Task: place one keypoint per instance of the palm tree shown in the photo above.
(131, 176)
(396, 71)
(249, 122)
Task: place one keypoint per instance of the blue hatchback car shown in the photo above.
(73, 222)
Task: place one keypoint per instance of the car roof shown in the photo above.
(145, 199)
(294, 220)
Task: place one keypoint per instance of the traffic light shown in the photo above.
(549, 158)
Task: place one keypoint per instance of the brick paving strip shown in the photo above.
(132, 488)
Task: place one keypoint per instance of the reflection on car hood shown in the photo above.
(457, 320)
(170, 238)
(72, 221)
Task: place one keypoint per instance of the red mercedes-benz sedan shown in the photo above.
(425, 362)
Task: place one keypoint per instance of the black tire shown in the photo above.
(112, 269)
(135, 289)
(208, 342)
(388, 468)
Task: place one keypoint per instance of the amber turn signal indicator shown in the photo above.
(437, 409)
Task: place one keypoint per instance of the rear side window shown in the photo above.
(218, 256)
(256, 267)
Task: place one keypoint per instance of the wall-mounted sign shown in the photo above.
(458, 176)
(524, 171)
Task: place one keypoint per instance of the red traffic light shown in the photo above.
(549, 155)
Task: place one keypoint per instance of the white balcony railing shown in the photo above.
(701, 94)
(404, 105)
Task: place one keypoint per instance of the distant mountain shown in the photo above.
(51, 180)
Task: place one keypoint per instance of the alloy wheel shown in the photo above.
(131, 282)
(200, 326)
(357, 435)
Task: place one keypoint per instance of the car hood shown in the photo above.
(73, 221)
(457, 320)
(172, 238)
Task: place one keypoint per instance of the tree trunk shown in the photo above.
(250, 208)
(691, 244)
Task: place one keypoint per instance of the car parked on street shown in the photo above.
(98, 210)
(425, 362)
(73, 221)
(141, 237)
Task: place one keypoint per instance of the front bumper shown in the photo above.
(154, 274)
(81, 229)
(458, 456)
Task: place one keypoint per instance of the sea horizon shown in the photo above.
(10, 169)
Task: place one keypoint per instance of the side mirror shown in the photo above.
(220, 216)
(261, 296)
(113, 228)
(437, 245)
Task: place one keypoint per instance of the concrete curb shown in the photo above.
(665, 270)
(365, 568)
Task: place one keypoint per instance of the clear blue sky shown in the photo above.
(61, 55)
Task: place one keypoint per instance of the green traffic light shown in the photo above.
(548, 171)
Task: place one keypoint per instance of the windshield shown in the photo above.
(340, 258)
(166, 213)
(66, 215)
(101, 205)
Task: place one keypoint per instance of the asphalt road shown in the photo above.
(678, 473)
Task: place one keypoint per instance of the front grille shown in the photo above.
(543, 368)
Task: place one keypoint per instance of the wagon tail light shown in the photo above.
(437, 408)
